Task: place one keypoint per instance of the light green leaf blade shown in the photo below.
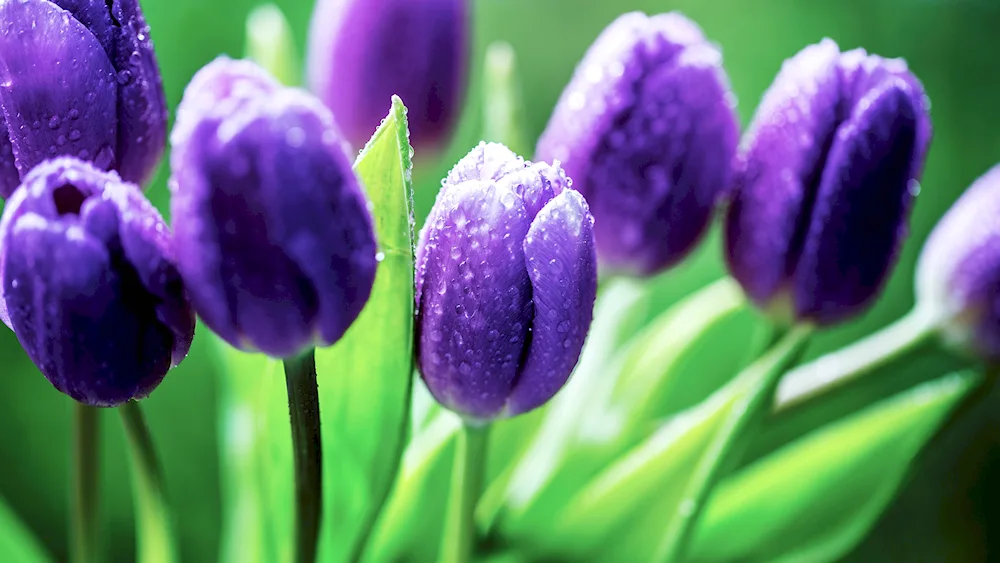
(411, 524)
(365, 379)
(651, 492)
(270, 43)
(623, 398)
(503, 107)
(816, 498)
(17, 543)
(256, 457)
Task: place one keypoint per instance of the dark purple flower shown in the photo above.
(647, 131)
(274, 236)
(826, 179)
(506, 280)
(78, 78)
(89, 285)
(958, 274)
(361, 52)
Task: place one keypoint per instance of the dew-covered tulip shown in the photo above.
(273, 232)
(361, 52)
(78, 78)
(506, 281)
(826, 178)
(958, 274)
(89, 285)
(647, 130)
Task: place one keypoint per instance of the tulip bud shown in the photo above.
(647, 131)
(274, 236)
(958, 274)
(88, 283)
(361, 52)
(825, 183)
(79, 78)
(506, 281)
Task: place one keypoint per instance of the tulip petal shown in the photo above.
(9, 177)
(562, 264)
(784, 155)
(50, 108)
(475, 308)
(315, 208)
(147, 246)
(142, 106)
(863, 200)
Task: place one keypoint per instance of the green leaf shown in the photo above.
(641, 505)
(503, 108)
(364, 387)
(597, 419)
(17, 542)
(816, 498)
(409, 527)
(365, 379)
(270, 44)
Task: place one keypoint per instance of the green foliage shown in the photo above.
(815, 499)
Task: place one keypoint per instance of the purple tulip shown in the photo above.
(78, 78)
(647, 131)
(88, 283)
(826, 180)
(273, 233)
(958, 274)
(361, 52)
(506, 281)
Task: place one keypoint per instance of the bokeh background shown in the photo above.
(950, 509)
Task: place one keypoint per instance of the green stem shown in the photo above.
(86, 455)
(303, 406)
(153, 522)
(467, 478)
(848, 364)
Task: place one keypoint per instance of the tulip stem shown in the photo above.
(303, 406)
(86, 455)
(154, 527)
(467, 478)
(839, 368)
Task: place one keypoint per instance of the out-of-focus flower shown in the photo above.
(361, 52)
(958, 274)
(88, 283)
(78, 78)
(506, 281)
(826, 180)
(273, 233)
(647, 131)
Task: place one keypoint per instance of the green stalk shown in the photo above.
(467, 477)
(303, 406)
(154, 527)
(849, 364)
(86, 455)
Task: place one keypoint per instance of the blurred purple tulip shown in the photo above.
(361, 52)
(647, 131)
(506, 281)
(273, 233)
(958, 274)
(826, 180)
(78, 78)
(88, 283)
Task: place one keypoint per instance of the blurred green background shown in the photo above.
(947, 511)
